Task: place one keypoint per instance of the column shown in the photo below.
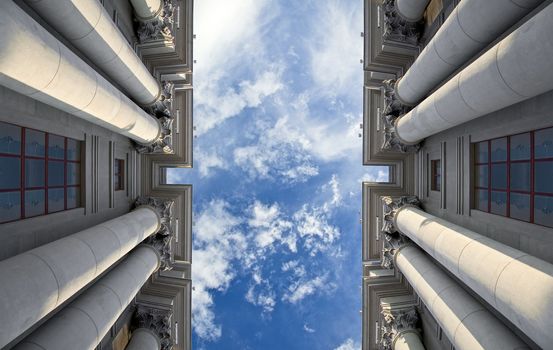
(510, 72)
(158, 322)
(411, 10)
(146, 10)
(84, 322)
(88, 26)
(471, 26)
(144, 339)
(399, 331)
(36, 64)
(517, 285)
(156, 20)
(466, 323)
(39, 280)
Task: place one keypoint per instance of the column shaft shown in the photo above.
(34, 283)
(144, 339)
(471, 26)
(88, 26)
(84, 322)
(146, 9)
(510, 72)
(516, 284)
(408, 341)
(467, 324)
(36, 64)
(411, 10)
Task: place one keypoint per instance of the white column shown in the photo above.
(146, 9)
(516, 284)
(144, 339)
(34, 283)
(88, 26)
(83, 323)
(515, 69)
(36, 64)
(411, 10)
(471, 26)
(408, 340)
(467, 324)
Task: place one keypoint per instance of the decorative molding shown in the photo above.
(162, 107)
(396, 322)
(158, 321)
(393, 238)
(396, 28)
(393, 241)
(160, 27)
(162, 110)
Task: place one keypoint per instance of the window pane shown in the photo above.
(499, 150)
(34, 173)
(543, 143)
(56, 147)
(543, 210)
(56, 200)
(34, 203)
(543, 176)
(482, 152)
(482, 175)
(10, 173)
(499, 203)
(520, 176)
(482, 200)
(10, 206)
(117, 183)
(116, 166)
(55, 173)
(520, 147)
(499, 176)
(34, 143)
(520, 206)
(73, 197)
(10, 139)
(73, 173)
(73, 149)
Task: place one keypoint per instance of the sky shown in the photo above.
(277, 174)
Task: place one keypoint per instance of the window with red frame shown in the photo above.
(118, 174)
(435, 175)
(514, 176)
(40, 173)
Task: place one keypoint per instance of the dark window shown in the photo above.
(435, 175)
(514, 176)
(39, 173)
(119, 174)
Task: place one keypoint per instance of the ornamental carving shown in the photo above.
(164, 142)
(162, 107)
(398, 29)
(159, 28)
(393, 242)
(396, 322)
(393, 239)
(156, 320)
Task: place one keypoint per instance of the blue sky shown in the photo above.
(277, 174)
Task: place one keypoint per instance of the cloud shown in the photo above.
(207, 162)
(301, 289)
(349, 344)
(260, 293)
(269, 227)
(376, 173)
(313, 226)
(308, 329)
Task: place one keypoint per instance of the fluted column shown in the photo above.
(399, 331)
(516, 284)
(88, 26)
(510, 72)
(466, 323)
(471, 26)
(411, 10)
(38, 281)
(144, 339)
(84, 322)
(36, 64)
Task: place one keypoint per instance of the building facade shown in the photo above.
(95, 246)
(458, 244)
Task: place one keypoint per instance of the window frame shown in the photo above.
(436, 175)
(46, 158)
(119, 175)
(531, 161)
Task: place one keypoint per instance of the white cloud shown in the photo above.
(207, 162)
(301, 289)
(270, 227)
(260, 293)
(312, 225)
(376, 173)
(308, 329)
(349, 344)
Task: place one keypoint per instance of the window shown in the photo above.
(435, 175)
(513, 176)
(119, 174)
(40, 173)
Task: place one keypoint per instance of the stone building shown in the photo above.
(458, 244)
(96, 102)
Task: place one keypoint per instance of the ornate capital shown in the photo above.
(156, 320)
(161, 240)
(396, 28)
(394, 239)
(396, 322)
(163, 106)
(160, 27)
(162, 111)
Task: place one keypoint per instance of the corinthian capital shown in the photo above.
(396, 28)
(396, 322)
(164, 142)
(158, 321)
(390, 207)
(160, 27)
